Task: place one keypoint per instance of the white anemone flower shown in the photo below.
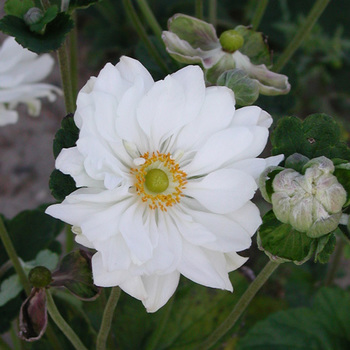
(20, 73)
(166, 172)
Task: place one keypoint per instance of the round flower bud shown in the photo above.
(311, 203)
(231, 40)
(40, 277)
(33, 15)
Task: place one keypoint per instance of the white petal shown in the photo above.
(255, 166)
(252, 115)
(205, 267)
(115, 253)
(222, 191)
(222, 147)
(234, 261)
(230, 234)
(7, 116)
(135, 235)
(170, 104)
(159, 289)
(216, 113)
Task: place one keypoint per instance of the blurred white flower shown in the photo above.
(167, 170)
(20, 73)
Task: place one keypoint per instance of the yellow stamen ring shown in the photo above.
(159, 180)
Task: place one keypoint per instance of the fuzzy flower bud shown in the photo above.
(311, 203)
(33, 15)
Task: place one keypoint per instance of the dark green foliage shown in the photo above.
(324, 326)
(318, 135)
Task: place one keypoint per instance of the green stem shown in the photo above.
(213, 12)
(301, 34)
(11, 252)
(73, 59)
(4, 345)
(240, 307)
(130, 11)
(333, 266)
(161, 326)
(259, 13)
(69, 238)
(65, 77)
(61, 323)
(199, 9)
(150, 18)
(45, 4)
(107, 318)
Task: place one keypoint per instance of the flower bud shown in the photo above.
(40, 277)
(33, 15)
(311, 203)
(231, 40)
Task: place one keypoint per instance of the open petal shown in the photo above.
(252, 115)
(204, 267)
(159, 289)
(222, 147)
(222, 191)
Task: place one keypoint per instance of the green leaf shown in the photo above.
(246, 89)
(9, 289)
(31, 231)
(283, 243)
(18, 8)
(325, 248)
(324, 326)
(255, 46)
(52, 39)
(66, 136)
(318, 135)
(61, 185)
(342, 173)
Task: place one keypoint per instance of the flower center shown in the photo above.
(159, 181)
(156, 180)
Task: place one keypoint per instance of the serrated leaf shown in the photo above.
(52, 39)
(31, 231)
(47, 259)
(255, 46)
(9, 289)
(283, 243)
(18, 8)
(318, 135)
(324, 326)
(246, 89)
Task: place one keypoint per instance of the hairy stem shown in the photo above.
(11, 252)
(134, 18)
(65, 77)
(240, 307)
(62, 324)
(107, 318)
(302, 33)
(259, 13)
(73, 59)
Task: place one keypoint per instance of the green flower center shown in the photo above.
(156, 180)
(231, 40)
(40, 276)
